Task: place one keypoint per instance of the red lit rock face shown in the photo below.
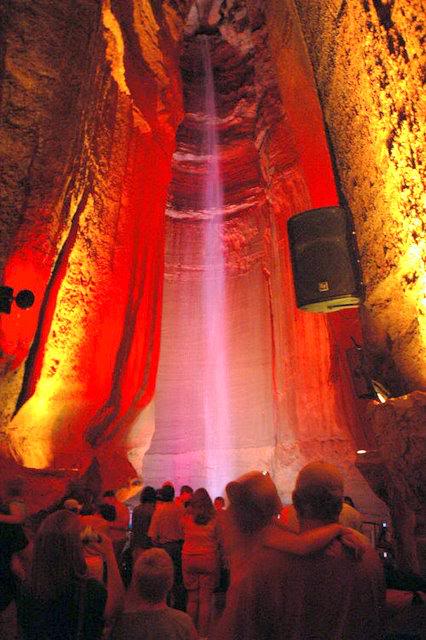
(88, 361)
(88, 151)
(91, 100)
(286, 396)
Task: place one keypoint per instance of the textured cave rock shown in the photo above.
(290, 397)
(395, 469)
(399, 428)
(88, 149)
(368, 59)
(92, 97)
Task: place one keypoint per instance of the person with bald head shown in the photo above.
(329, 594)
(348, 517)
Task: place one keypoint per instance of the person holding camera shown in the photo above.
(60, 600)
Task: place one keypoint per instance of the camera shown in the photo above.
(89, 536)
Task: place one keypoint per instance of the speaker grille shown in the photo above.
(325, 261)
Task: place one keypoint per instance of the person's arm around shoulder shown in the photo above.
(279, 538)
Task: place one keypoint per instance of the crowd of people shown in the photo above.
(185, 567)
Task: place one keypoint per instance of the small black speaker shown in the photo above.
(326, 270)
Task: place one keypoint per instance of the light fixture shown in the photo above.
(367, 452)
(24, 299)
(364, 385)
(382, 394)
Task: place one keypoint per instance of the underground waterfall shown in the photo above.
(217, 429)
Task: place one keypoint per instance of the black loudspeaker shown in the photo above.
(326, 270)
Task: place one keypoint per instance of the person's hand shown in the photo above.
(354, 541)
(102, 546)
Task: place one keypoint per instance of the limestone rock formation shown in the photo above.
(90, 103)
(368, 59)
(103, 134)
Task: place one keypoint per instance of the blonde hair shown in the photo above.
(153, 575)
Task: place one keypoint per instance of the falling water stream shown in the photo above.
(217, 428)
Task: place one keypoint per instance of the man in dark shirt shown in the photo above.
(166, 531)
(81, 607)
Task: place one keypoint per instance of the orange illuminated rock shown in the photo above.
(88, 148)
(102, 132)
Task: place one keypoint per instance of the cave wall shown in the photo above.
(90, 104)
(290, 396)
(320, 416)
(91, 101)
(368, 58)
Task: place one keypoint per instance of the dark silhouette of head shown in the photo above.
(167, 493)
(219, 503)
(318, 494)
(148, 494)
(201, 506)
